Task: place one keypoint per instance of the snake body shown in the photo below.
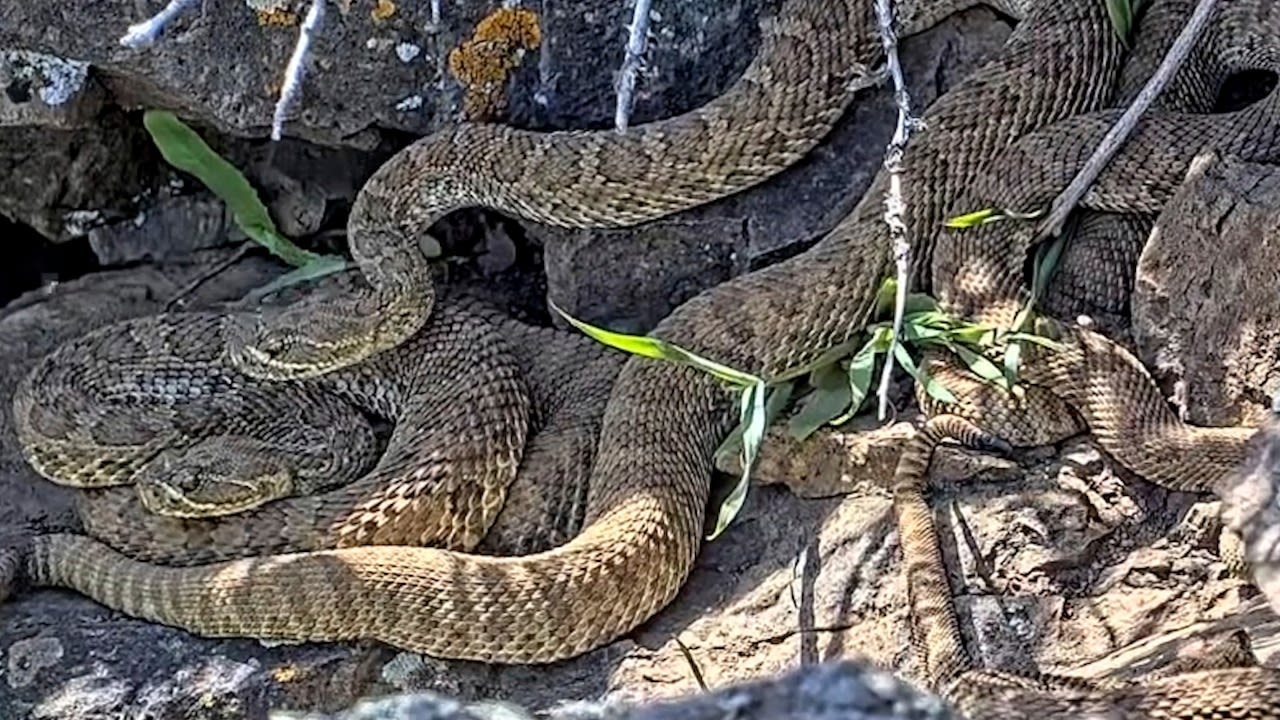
(1221, 688)
(474, 396)
(979, 273)
(650, 481)
(649, 526)
(158, 405)
(459, 400)
(814, 57)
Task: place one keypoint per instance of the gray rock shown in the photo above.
(41, 89)
(850, 690)
(1251, 507)
(1206, 307)
(63, 181)
(220, 62)
(173, 227)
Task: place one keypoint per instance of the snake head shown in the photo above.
(217, 476)
(313, 337)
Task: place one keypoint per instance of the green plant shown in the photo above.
(752, 412)
(184, 149)
(839, 381)
(838, 391)
(1121, 13)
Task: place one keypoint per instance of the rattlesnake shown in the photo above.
(1226, 686)
(474, 395)
(813, 58)
(651, 479)
(804, 77)
(151, 393)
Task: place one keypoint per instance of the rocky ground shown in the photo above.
(1062, 559)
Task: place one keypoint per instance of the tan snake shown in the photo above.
(646, 495)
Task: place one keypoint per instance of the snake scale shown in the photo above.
(504, 610)
(650, 481)
(1221, 687)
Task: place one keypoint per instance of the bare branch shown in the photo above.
(894, 205)
(1116, 136)
(291, 87)
(145, 33)
(631, 65)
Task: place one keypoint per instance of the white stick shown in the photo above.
(291, 88)
(631, 65)
(1116, 136)
(145, 33)
(894, 205)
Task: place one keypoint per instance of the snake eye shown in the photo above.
(272, 345)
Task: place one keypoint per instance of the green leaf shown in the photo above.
(975, 218)
(1121, 14)
(980, 366)
(827, 401)
(980, 335)
(881, 338)
(323, 265)
(775, 402)
(1012, 360)
(830, 356)
(1048, 256)
(651, 347)
(914, 333)
(922, 376)
(184, 149)
(1040, 340)
(989, 215)
(930, 318)
(886, 296)
(861, 369)
(753, 418)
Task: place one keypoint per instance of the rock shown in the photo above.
(62, 181)
(173, 227)
(627, 279)
(75, 660)
(858, 457)
(848, 690)
(828, 463)
(46, 90)
(384, 65)
(1251, 508)
(1206, 309)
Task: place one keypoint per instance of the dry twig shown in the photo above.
(1120, 132)
(291, 87)
(146, 32)
(894, 206)
(631, 65)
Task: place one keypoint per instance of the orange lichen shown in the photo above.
(277, 18)
(382, 10)
(483, 63)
